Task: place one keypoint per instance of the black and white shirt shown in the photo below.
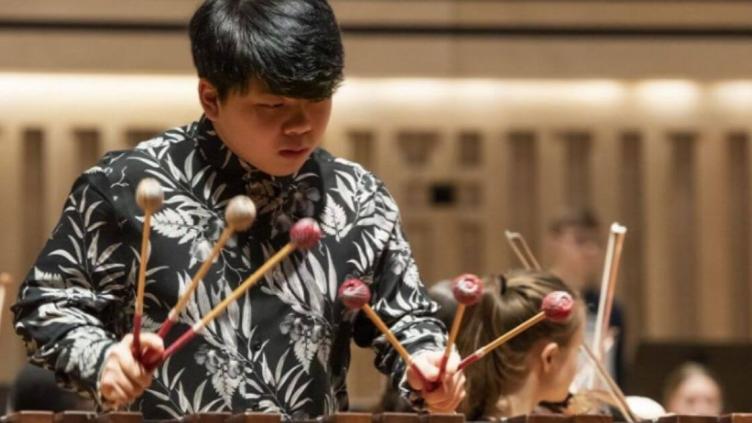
(284, 346)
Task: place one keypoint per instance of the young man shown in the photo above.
(268, 70)
(574, 242)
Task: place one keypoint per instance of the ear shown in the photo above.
(208, 96)
(550, 357)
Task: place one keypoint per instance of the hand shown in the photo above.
(123, 378)
(451, 391)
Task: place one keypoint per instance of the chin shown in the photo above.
(280, 171)
(558, 396)
(279, 167)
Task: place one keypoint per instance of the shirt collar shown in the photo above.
(287, 198)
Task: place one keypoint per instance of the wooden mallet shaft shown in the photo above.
(395, 343)
(453, 332)
(239, 216)
(467, 289)
(556, 306)
(240, 290)
(186, 295)
(149, 197)
(614, 389)
(482, 351)
(355, 295)
(608, 286)
(304, 235)
(384, 329)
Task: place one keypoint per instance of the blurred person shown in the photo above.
(692, 389)
(575, 247)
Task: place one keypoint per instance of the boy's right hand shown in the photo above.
(123, 378)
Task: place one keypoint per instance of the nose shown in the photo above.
(299, 121)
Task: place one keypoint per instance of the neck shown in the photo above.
(521, 402)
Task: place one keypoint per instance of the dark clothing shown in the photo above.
(284, 346)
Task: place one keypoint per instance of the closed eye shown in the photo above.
(272, 105)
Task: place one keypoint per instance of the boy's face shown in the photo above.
(273, 133)
(577, 251)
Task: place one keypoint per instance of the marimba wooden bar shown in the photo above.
(256, 417)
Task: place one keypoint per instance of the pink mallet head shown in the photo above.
(558, 306)
(305, 233)
(467, 289)
(354, 293)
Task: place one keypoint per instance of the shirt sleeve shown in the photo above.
(400, 299)
(71, 306)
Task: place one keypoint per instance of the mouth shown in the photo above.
(294, 153)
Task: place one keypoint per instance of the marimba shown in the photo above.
(247, 417)
(254, 417)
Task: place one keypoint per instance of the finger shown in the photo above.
(413, 379)
(133, 371)
(457, 395)
(448, 397)
(152, 341)
(151, 359)
(436, 396)
(458, 380)
(116, 397)
(458, 401)
(128, 340)
(453, 362)
(442, 402)
(441, 407)
(124, 385)
(418, 375)
(152, 348)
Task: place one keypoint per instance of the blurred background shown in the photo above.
(480, 116)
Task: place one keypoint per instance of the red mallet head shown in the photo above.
(354, 293)
(467, 289)
(558, 306)
(305, 233)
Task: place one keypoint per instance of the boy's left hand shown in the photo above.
(447, 396)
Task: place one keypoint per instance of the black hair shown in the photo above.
(574, 218)
(293, 47)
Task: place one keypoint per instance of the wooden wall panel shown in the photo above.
(88, 148)
(523, 199)
(13, 234)
(682, 231)
(578, 177)
(713, 284)
(630, 204)
(34, 201)
(552, 183)
(659, 294)
(736, 229)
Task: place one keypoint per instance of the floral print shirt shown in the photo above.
(284, 347)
